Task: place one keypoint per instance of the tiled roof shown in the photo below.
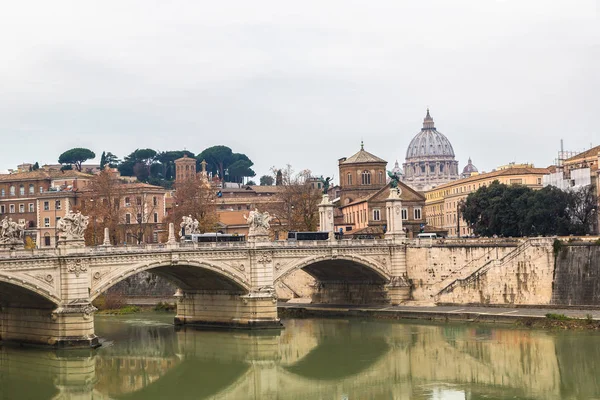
(363, 157)
(503, 172)
(232, 217)
(593, 152)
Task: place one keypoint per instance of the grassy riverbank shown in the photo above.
(116, 305)
(547, 321)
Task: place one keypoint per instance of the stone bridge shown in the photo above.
(46, 294)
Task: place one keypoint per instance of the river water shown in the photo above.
(144, 357)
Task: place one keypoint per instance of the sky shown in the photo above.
(299, 83)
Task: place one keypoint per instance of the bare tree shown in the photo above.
(296, 206)
(196, 197)
(583, 207)
(101, 200)
(143, 208)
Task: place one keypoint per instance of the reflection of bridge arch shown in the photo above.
(186, 274)
(324, 268)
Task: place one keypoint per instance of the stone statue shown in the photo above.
(325, 184)
(11, 232)
(72, 226)
(258, 222)
(190, 225)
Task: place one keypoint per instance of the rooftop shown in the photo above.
(362, 157)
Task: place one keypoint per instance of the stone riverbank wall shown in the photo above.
(533, 271)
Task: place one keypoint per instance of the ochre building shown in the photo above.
(442, 203)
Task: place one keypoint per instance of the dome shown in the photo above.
(397, 170)
(469, 168)
(429, 143)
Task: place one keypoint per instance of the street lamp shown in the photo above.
(94, 210)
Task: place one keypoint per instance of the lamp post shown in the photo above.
(94, 211)
(459, 204)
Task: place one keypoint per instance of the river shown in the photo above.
(144, 357)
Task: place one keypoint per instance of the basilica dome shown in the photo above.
(429, 142)
(469, 169)
(429, 159)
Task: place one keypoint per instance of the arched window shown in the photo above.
(380, 176)
(366, 177)
(349, 179)
(31, 189)
(12, 190)
(21, 190)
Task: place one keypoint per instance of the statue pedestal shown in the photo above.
(66, 246)
(393, 208)
(259, 238)
(11, 246)
(326, 223)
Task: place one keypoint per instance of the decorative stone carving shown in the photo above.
(258, 222)
(190, 225)
(11, 232)
(72, 226)
(76, 266)
(264, 258)
(240, 267)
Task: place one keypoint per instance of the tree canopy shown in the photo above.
(230, 166)
(517, 210)
(76, 157)
(266, 180)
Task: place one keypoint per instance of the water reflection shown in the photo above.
(333, 359)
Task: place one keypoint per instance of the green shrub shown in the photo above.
(165, 307)
(557, 317)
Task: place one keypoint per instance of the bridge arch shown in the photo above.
(186, 274)
(323, 268)
(343, 279)
(13, 287)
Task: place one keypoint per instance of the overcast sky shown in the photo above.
(299, 82)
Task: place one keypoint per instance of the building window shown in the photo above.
(139, 218)
(11, 208)
(47, 222)
(138, 201)
(154, 201)
(47, 239)
(432, 168)
(2, 209)
(41, 189)
(57, 205)
(12, 190)
(155, 218)
(516, 181)
(539, 181)
(127, 202)
(377, 214)
(417, 213)
(21, 190)
(46, 205)
(350, 179)
(366, 178)
(21, 208)
(127, 218)
(3, 192)
(405, 214)
(31, 189)
(380, 176)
